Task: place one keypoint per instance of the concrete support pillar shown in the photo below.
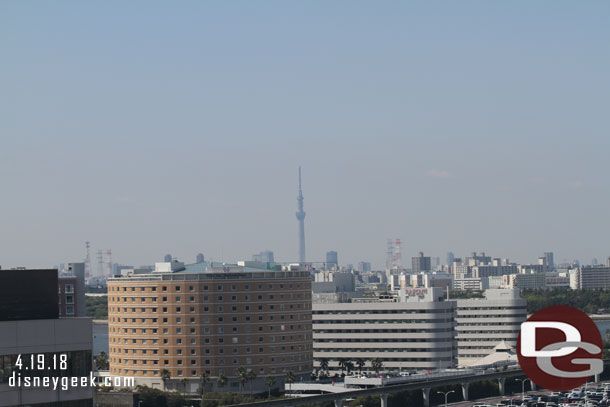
(465, 390)
(384, 399)
(533, 385)
(426, 391)
(339, 403)
(501, 386)
(598, 378)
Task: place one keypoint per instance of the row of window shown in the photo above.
(219, 308)
(431, 360)
(484, 338)
(68, 288)
(208, 351)
(388, 311)
(479, 316)
(221, 330)
(193, 341)
(195, 373)
(378, 331)
(207, 330)
(384, 350)
(194, 362)
(219, 287)
(384, 340)
(206, 320)
(206, 298)
(69, 299)
(496, 308)
(382, 321)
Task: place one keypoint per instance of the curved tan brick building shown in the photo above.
(210, 318)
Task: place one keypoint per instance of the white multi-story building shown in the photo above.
(415, 331)
(525, 280)
(471, 283)
(590, 277)
(485, 322)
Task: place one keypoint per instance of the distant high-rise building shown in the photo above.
(200, 258)
(332, 260)
(301, 218)
(476, 259)
(264, 257)
(116, 268)
(549, 259)
(364, 266)
(420, 263)
(450, 258)
(594, 262)
(167, 258)
(72, 291)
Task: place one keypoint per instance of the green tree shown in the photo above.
(290, 378)
(221, 381)
(324, 364)
(242, 377)
(204, 378)
(165, 376)
(342, 363)
(376, 364)
(251, 378)
(269, 382)
(360, 363)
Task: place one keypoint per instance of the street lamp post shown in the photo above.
(522, 388)
(446, 393)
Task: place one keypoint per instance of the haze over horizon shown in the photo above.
(154, 127)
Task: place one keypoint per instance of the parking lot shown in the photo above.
(591, 395)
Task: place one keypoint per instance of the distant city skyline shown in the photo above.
(148, 129)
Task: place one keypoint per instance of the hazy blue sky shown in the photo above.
(154, 127)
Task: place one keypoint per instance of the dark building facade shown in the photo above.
(28, 294)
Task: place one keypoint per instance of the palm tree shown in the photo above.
(251, 377)
(269, 382)
(349, 366)
(184, 382)
(290, 378)
(324, 364)
(203, 380)
(165, 376)
(342, 364)
(360, 363)
(242, 376)
(221, 381)
(376, 364)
